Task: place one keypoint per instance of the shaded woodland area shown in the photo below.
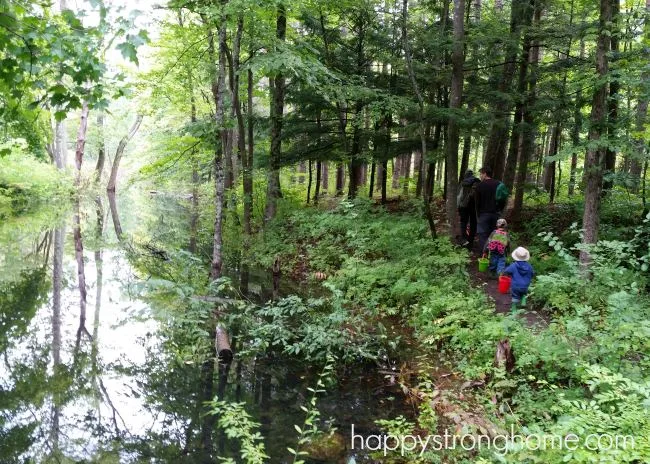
(263, 195)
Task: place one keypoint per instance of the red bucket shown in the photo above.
(504, 283)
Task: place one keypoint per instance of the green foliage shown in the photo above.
(309, 329)
(237, 424)
(26, 182)
(309, 430)
(615, 409)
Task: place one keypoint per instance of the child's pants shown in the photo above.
(517, 294)
(497, 262)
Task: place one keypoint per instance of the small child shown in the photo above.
(497, 244)
(522, 274)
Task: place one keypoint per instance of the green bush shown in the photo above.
(26, 181)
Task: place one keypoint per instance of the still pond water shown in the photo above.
(88, 379)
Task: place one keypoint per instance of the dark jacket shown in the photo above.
(485, 196)
(522, 273)
(466, 190)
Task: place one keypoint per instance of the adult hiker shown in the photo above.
(487, 211)
(467, 208)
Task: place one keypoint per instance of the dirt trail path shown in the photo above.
(502, 301)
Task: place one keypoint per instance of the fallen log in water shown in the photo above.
(218, 299)
(222, 345)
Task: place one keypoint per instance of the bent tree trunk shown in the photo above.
(120, 151)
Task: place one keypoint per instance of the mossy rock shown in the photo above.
(328, 447)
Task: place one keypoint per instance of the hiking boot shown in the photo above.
(523, 301)
(513, 307)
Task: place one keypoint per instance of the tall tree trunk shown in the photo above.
(81, 273)
(218, 87)
(423, 136)
(309, 176)
(528, 126)
(319, 169)
(372, 180)
(612, 102)
(57, 285)
(117, 226)
(419, 169)
(495, 156)
(406, 167)
(101, 155)
(60, 136)
(234, 71)
(319, 166)
(455, 102)
(247, 160)
(340, 178)
(598, 128)
(549, 175)
(326, 171)
(81, 141)
(380, 175)
(99, 265)
(60, 145)
(522, 84)
(355, 161)
(641, 109)
(384, 178)
(112, 180)
(577, 127)
(277, 116)
(431, 169)
(396, 171)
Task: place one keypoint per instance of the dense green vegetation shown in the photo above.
(285, 228)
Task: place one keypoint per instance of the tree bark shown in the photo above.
(495, 156)
(522, 84)
(340, 178)
(81, 140)
(455, 102)
(247, 160)
(277, 115)
(81, 272)
(595, 153)
(423, 139)
(112, 180)
(575, 132)
(326, 183)
(309, 176)
(612, 103)
(641, 110)
(117, 226)
(101, 154)
(528, 126)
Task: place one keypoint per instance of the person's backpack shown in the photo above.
(501, 195)
(465, 194)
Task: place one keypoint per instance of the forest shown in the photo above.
(353, 231)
